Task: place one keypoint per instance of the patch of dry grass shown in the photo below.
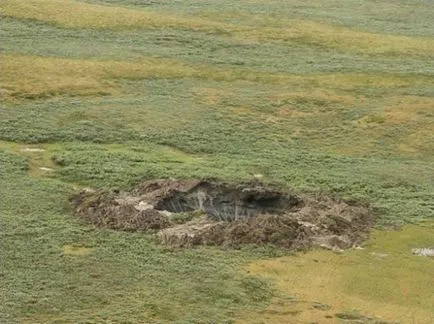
(413, 115)
(76, 250)
(384, 280)
(35, 77)
(421, 140)
(409, 108)
(39, 77)
(317, 96)
(348, 39)
(32, 77)
(401, 110)
(349, 81)
(75, 14)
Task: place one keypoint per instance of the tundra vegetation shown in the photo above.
(317, 97)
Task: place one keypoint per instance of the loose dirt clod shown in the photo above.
(199, 212)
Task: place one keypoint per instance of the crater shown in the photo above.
(220, 201)
(185, 213)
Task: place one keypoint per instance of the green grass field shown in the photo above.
(336, 96)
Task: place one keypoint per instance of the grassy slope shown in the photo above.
(332, 96)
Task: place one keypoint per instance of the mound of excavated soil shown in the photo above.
(229, 215)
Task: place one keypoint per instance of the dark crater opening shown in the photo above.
(224, 202)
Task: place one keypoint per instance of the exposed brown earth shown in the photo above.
(185, 213)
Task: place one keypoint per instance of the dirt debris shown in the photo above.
(227, 215)
(107, 209)
(261, 229)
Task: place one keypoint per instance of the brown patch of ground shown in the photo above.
(201, 212)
